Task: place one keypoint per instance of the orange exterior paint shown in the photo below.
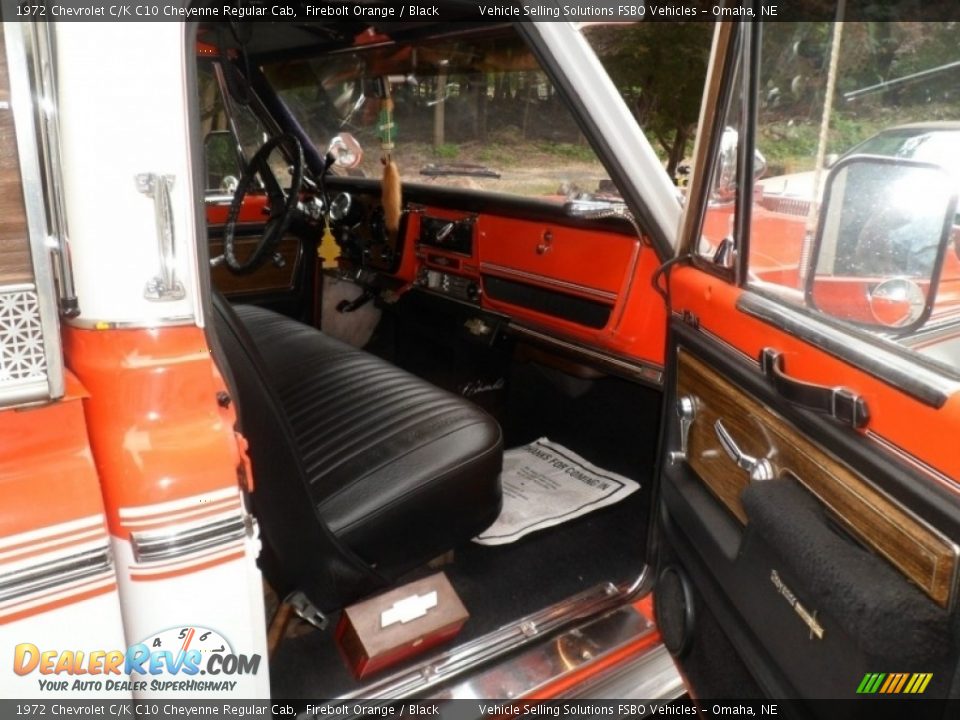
(156, 429)
(47, 475)
(894, 416)
(53, 605)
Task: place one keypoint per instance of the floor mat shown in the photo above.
(546, 484)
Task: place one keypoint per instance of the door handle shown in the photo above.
(841, 404)
(165, 286)
(758, 468)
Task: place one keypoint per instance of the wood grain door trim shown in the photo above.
(16, 266)
(921, 553)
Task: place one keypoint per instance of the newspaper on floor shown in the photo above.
(545, 484)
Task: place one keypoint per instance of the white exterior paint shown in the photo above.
(90, 624)
(123, 111)
(226, 598)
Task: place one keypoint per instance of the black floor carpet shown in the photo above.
(610, 422)
(497, 585)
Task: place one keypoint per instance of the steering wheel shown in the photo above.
(281, 204)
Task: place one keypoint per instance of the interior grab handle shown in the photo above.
(758, 468)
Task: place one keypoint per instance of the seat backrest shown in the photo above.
(302, 552)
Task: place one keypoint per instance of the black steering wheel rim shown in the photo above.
(282, 204)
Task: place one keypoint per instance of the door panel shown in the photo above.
(922, 554)
(810, 484)
(844, 562)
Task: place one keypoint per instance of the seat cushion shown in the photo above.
(398, 469)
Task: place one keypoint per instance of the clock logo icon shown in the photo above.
(185, 638)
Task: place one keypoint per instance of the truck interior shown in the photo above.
(391, 324)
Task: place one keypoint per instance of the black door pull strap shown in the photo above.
(840, 403)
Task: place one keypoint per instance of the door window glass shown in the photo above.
(855, 217)
(232, 133)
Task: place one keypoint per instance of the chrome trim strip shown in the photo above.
(916, 463)
(17, 37)
(942, 480)
(86, 323)
(883, 363)
(652, 676)
(630, 368)
(61, 571)
(49, 127)
(713, 337)
(434, 671)
(154, 546)
(500, 270)
(522, 674)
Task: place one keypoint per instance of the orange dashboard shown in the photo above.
(587, 285)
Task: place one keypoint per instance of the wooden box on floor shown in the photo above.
(389, 628)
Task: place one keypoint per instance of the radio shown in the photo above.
(454, 286)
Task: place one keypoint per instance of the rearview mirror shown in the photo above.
(346, 151)
(879, 249)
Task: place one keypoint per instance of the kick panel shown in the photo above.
(918, 551)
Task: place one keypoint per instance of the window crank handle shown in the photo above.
(757, 468)
(687, 411)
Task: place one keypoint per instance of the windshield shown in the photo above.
(938, 146)
(474, 112)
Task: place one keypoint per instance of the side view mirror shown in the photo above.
(878, 255)
(222, 161)
(724, 187)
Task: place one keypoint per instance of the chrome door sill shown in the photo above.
(428, 676)
(650, 675)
